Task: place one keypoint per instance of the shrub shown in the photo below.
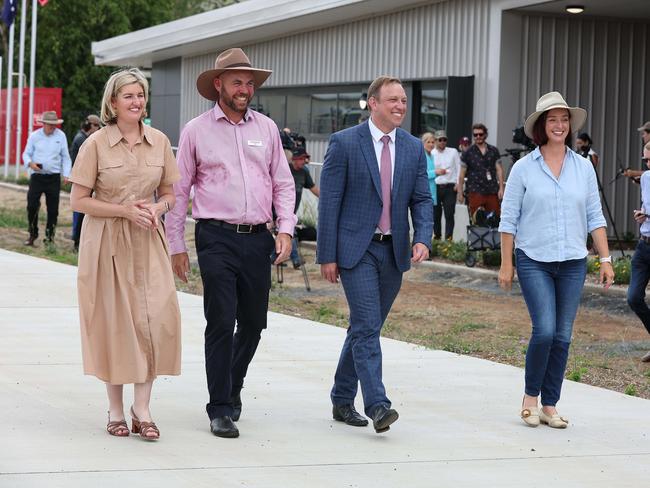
(622, 268)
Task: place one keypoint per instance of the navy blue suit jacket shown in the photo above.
(350, 200)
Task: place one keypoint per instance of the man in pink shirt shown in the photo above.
(233, 158)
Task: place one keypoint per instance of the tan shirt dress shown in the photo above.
(130, 320)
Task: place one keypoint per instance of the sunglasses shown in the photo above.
(645, 160)
(479, 134)
(443, 139)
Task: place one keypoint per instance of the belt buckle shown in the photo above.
(382, 237)
(240, 228)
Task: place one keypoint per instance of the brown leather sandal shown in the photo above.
(144, 428)
(118, 428)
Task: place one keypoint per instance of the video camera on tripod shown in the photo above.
(519, 137)
(292, 140)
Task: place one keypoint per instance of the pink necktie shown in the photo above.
(385, 171)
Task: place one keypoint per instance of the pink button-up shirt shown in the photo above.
(239, 171)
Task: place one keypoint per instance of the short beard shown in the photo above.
(230, 103)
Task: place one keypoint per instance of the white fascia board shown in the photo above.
(239, 24)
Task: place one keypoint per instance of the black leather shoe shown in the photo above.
(382, 417)
(236, 407)
(30, 241)
(224, 427)
(349, 415)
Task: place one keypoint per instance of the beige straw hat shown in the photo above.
(555, 100)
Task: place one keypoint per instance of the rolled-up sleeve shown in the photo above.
(175, 219)
(595, 217)
(512, 200)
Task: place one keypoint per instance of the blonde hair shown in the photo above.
(647, 147)
(426, 136)
(118, 80)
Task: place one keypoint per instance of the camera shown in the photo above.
(519, 137)
(292, 140)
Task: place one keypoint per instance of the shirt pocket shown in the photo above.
(107, 164)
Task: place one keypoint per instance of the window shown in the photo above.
(433, 109)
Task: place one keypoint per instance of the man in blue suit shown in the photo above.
(373, 174)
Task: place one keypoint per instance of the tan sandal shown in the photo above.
(530, 415)
(554, 420)
(144, 428)
(118, 428)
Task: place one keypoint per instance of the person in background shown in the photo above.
(635, 174)
(484, 174)
(641, 259)
(302, 179)
(549, 236)
(429, 141)
(463, 144)
(91, 124)
(130, 320)
(584, 148)
(447, 168)
(46, 157)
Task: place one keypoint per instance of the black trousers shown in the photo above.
(236, 274)
(446, 202)
(51, 186)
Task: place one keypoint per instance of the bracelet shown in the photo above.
(167, 207)
(607, 259)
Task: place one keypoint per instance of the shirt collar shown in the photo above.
(115, 134)
(377, 134)
(219, 114)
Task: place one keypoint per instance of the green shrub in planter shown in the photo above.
(623, 270)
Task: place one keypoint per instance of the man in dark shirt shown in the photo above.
(302, 179)
(484, 174)
(91, 124)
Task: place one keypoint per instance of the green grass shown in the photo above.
(13, 218)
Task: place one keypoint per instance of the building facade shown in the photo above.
(461, 61)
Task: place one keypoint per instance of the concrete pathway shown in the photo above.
(459, 424)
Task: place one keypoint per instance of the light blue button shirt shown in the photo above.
(550, 217)
(645, 198)
(50, 151)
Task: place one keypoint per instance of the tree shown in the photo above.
(66, 30)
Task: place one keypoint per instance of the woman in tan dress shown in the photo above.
(130, 320)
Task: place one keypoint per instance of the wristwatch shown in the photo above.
(607, 259)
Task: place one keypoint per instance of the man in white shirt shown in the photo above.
(447, 185)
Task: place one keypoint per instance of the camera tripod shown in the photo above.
(609, 212)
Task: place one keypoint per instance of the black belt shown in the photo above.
(239, 228)
(58, 175)
(645, 239)
(447, 184)
(382, 237)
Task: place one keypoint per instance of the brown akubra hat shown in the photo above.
(230, 60)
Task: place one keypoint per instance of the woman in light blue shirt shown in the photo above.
(550, 204)
(429, 141)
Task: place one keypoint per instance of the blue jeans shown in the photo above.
(638, 282)
(552, 293)
(370, 289)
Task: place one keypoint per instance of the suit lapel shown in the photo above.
(399, 161)
(368, 151)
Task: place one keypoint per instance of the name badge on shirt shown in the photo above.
(255, 143)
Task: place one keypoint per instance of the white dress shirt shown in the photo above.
(377, 134)
(449, 160)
